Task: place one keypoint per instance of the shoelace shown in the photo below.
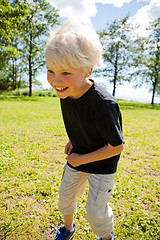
(60, 235)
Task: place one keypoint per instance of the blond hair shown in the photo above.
(74, 45)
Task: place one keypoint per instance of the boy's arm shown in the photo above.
(105, 152)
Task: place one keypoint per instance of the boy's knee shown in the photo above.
(67, 206)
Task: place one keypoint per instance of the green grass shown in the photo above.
(32, 140)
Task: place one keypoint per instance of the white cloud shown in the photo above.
(83, 9)
(146, 14)
(142, 1)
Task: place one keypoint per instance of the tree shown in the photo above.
(9, 18)
(116, 45)
(35, 29)
(25, 28)
(147, 59)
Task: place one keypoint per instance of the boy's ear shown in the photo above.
(89, 72)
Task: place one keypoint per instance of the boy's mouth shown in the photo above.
(60, 89)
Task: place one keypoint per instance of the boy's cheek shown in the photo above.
(49, 79)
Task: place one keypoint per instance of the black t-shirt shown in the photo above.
(93, 121)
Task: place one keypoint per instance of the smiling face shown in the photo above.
(70, 82)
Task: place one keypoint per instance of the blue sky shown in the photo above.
(108, 12)
(99, 13)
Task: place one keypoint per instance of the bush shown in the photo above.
(16, 92)
(45, 93)
(25, 92)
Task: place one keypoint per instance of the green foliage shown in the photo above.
(147, 59)
(25, 92)
(32, 140)
(25, 27)
(117, 55)
(9, 32)
(129, 57)
(45, 93)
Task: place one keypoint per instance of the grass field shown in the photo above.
(32, 140)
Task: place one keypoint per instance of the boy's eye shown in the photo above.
(50, 71)
(66, 73)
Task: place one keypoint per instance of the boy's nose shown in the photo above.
(56, 79)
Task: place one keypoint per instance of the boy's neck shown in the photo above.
(85, 89)
(88, 85)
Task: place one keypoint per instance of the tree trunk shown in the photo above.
(154, 90)
(114, 86)
(156, 76)
(13, 74)
(153, 94)
(115, 73)
(30, 66)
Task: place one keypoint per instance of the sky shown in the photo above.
(101, 12)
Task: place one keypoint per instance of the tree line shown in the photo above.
(23, 36)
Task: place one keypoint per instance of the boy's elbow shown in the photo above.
(122, 147)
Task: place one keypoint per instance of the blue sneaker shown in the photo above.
(112, 238)
(63, 234)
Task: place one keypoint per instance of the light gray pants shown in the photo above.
(99, 213)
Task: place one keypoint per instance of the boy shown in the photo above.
(93, 123)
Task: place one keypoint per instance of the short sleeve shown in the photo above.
(109, 125)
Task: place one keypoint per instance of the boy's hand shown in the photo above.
(68, 148)
(74, 159)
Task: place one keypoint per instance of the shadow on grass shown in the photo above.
(135, 105)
